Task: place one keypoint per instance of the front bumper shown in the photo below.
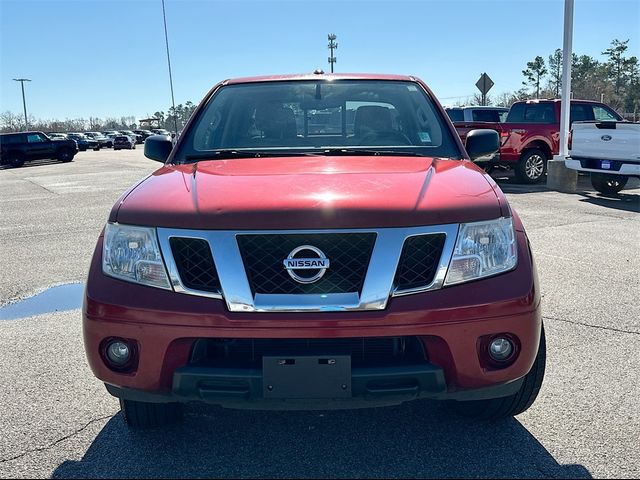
(450, 322)
(239, 388)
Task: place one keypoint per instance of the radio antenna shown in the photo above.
(173, 101)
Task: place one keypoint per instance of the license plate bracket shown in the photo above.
(306, 377)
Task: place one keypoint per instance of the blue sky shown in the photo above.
(107, 57)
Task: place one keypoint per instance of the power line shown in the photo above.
(166, 41)
(459, 96)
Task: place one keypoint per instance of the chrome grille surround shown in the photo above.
(378, 285)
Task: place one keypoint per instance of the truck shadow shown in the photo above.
(31, 163)
(629, 202)
(420, 439)
(624, 200)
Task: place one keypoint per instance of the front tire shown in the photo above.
(497, 408)
(608, 184)
(65, 155)
(141, 415)
(532, 166)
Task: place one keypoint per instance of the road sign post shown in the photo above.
(484, 84)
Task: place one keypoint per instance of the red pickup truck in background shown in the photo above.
(531, 133)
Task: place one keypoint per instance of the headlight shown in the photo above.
(132, 254)
(483, 249)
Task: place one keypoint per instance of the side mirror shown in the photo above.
(482, 142)
(157, 147)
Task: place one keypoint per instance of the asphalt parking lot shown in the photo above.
(58, 421)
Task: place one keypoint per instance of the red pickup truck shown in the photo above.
(530, 135)
(315, 241)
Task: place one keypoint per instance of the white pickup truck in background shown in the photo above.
(610, 151)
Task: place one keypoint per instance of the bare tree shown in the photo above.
(10, 122)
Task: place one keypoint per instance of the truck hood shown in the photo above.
(310, 193)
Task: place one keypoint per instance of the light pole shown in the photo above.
(24, 102)
(332, 46)
(560, 177)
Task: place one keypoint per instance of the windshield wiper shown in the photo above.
(219, 155)
(226, 154)
(359, 151)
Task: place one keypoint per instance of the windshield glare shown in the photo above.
(309, 116)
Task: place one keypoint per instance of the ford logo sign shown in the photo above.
(606, 138)
(318, 263)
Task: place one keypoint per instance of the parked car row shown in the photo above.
(107, 138)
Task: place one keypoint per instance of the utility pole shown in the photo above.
(333, 45)
(24, 102)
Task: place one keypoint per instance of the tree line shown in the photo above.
(614, 79)
(174, 117)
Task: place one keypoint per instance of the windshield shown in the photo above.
(383, 117)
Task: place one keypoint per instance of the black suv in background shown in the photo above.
(17, 148)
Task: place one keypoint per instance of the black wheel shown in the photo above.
(532, 166)
(65, 155)
(133, 146)
(16, 160)
(496, 408)
(149, 415)
(97, 149)
(608, 184)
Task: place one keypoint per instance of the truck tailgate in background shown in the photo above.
(606, 140)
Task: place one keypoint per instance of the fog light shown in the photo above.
(500, 349)
(118, 353)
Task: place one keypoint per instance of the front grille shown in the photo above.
(195, 264)
(364, 351)
(419, 261)
(348, 253)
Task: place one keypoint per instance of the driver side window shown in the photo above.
(35, 138)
